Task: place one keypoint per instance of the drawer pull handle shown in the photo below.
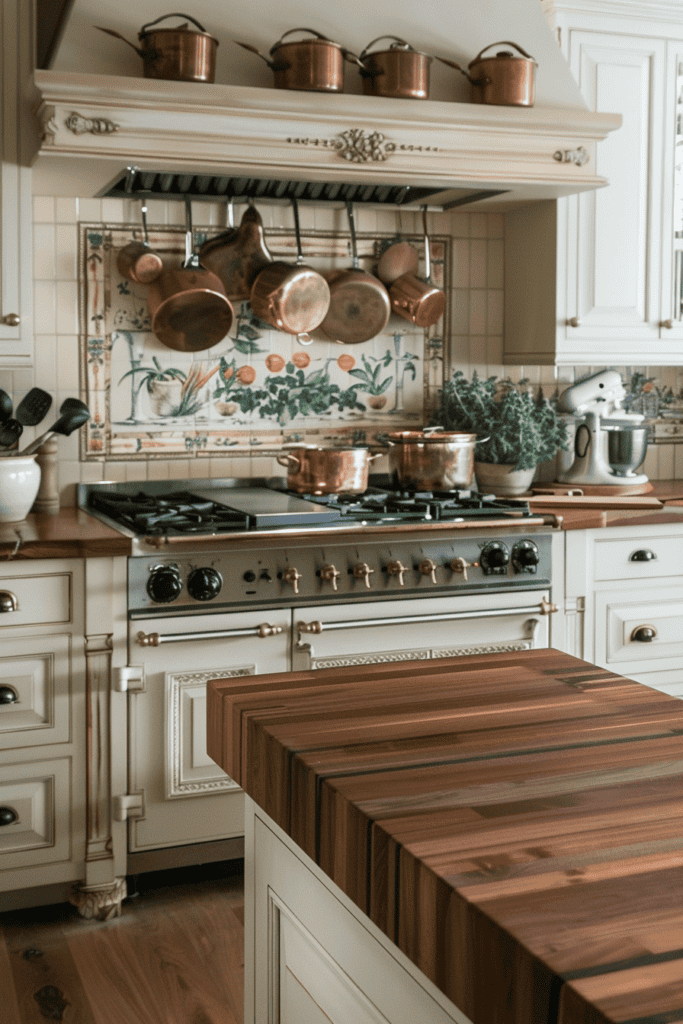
(8, 695)
(644, 634)
(8, 601)
(643, 555)
(8, 816)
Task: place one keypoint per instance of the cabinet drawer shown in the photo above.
(661, 557)
(617, 621)
(44, 599)
(38, 795)
(35, 675)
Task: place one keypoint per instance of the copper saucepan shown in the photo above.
(399, 72)
(431, 459)
(312, 470)
(310, 65)
(415, 299)
(188, 306)
(236, 256)
(291, 297)
(137, 261)
(176, 54)
(359, 303)
(504, 79)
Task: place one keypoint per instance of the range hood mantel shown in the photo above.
(93, 126)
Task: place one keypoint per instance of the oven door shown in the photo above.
(183, 796)
(329, 636)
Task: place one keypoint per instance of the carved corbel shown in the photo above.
(578, 156)
(80, 125)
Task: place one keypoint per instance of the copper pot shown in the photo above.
(176, 54)
(236, 256)
(137, 261)
(359, 304)
(291, 297)
(310, 65)
(431, 459)
(416, 299)
(400, 72)
(505, 80)
(188, 306)
(327, 470)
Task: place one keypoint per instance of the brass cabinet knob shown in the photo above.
(265, 629)
(8, 601)
(330, 573)
(397, 568)
(573, 321)
(11, 319)
(362, 571)
(427, 567)
(644, 634)
(668, 324)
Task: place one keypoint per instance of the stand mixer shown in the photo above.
(609, 444)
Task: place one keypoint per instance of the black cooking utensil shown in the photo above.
(10, 432)
(33, 407)
(5, 406)
(69, 421)
(72, 403)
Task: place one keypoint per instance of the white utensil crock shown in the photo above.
(19, 483)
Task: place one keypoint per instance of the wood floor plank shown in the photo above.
(8, 996)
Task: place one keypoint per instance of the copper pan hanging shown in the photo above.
(137, 261)
(417, 299)
(237, 255)
(359, 303)
(188, 305)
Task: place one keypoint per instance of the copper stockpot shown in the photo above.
(236, 256)
(310, 65)
(188, 306)
(291, 297)
(415, 299)
(359, 303)
(327, 470)
(175, 54)
(505, 80)
(431, 459)
(137, 261)
(399, 72)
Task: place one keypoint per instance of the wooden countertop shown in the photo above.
(512, 821)
(69, 534)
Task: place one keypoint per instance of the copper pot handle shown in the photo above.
(289, 32)
(452, 64)
(247, 46)
(372, 457)
(163, 18)
(503, 42)
(287, 459)
(397, 39)
(117, 35)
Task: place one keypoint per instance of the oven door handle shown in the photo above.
(544, 608)
(155, 639)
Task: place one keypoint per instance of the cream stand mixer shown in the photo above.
(609, 444)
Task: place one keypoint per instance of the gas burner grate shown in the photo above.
(176, 513)
(377, 505)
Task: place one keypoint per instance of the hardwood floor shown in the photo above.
(175, 956)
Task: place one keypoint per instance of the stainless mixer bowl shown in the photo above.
(626, 448)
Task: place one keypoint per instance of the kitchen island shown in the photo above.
(503, 831)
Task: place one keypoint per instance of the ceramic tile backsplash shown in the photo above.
(474, 339)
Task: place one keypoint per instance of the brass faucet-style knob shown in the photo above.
(330, 573)
(362, 571)
(292, 575)
(397, 568)
(428, 568)
(462, 565)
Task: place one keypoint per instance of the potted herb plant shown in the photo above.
(521, 429)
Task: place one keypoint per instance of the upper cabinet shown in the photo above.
(596, 278)
(16, 313)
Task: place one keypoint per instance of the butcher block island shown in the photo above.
(495, 839)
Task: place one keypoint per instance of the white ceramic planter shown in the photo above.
(506, 481)
(19, 483)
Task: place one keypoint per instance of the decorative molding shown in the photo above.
(101, 902)
(177, 687)
(459, 652)
(361, 146)
(80, 125)
(98, 654)
(380, 658)
(578, 156)
(48, 125)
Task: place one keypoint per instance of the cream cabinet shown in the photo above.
(16, 226)
(625, 589)
(42, 725)
(592, 279)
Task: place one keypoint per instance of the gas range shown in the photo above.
(212, 545)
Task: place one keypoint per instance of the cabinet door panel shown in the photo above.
(38, 671)
(39, 794)
(617, 618)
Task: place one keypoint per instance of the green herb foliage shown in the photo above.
(522, 429)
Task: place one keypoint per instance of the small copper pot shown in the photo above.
(137, 261)
(175, 54)
(310, 65)
(416, 299)
(505, 80)
(327, 470)
(399, 72)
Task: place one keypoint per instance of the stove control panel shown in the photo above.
(353, 571)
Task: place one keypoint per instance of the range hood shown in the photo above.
(216, 141)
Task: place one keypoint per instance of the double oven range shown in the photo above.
(237, 577)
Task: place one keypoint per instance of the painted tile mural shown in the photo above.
(258, 388)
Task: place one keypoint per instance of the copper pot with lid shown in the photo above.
(505, 79)
(313, 470)
(176, 54)
(400, 72)
(310, 65)
(431, 459)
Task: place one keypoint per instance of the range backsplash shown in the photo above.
(469, 248)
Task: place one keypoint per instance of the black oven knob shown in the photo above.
(204, 584)
(525, 556)
(494, 558)
(164, 584)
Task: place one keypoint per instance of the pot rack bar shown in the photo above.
(134, 183)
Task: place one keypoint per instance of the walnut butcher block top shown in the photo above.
(513, 822)
(69, 534)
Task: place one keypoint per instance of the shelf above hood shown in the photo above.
(402, 152)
